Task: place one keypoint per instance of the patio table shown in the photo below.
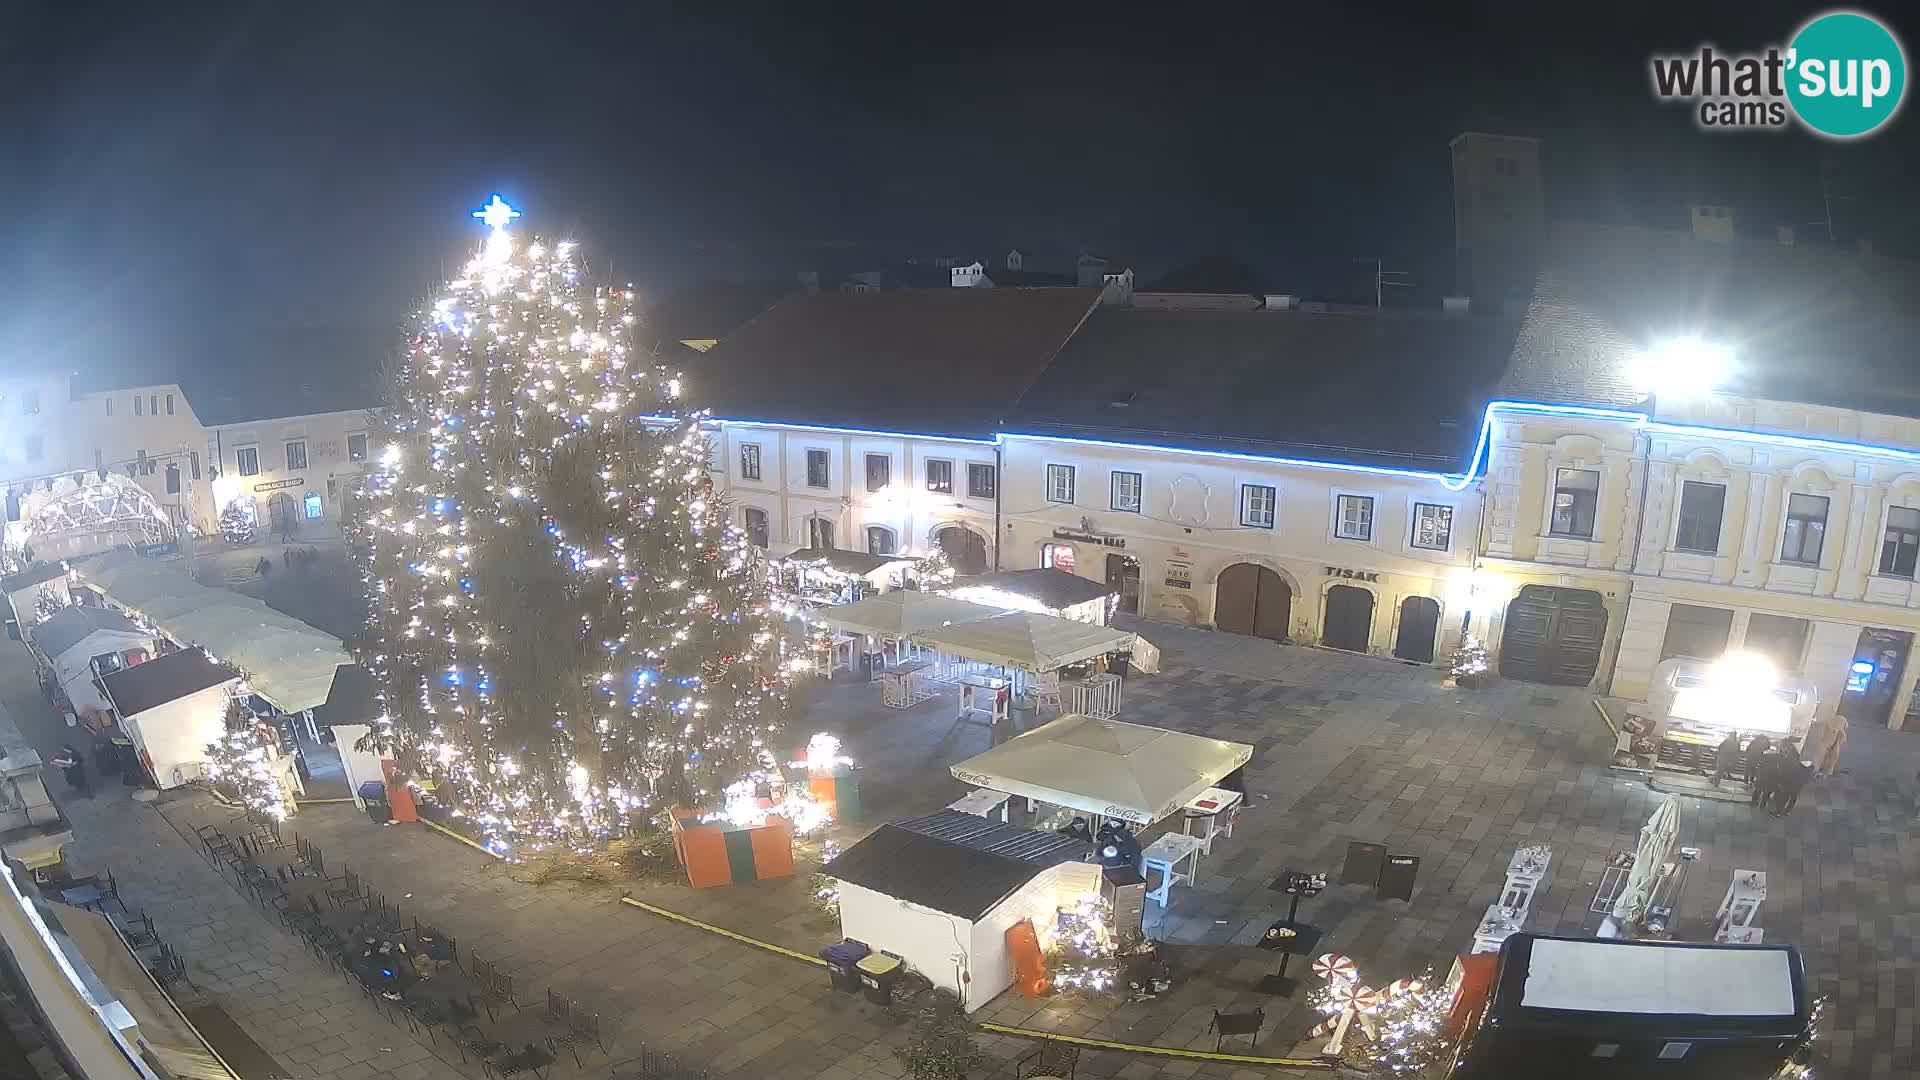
(998, 693)
(1165, 855)
(905, 686)
(1207, 809)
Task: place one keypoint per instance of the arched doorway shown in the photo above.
(966, 549)
(1252, 599)
(1349, 623)
(1553, 636)
(280, 514)
(1419, 619)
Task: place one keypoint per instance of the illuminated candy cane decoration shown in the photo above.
(1335, 968)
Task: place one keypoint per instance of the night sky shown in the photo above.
(254, 185)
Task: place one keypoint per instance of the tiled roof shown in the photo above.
(1392, 390)
(1806, 324)
(932, 362)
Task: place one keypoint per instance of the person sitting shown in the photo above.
(1118, 846)
(1078, 829)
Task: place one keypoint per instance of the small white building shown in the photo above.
(941, 892)
(172, 708)
(83, 643)
(151, 433)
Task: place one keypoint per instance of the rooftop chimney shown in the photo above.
(1455, 305)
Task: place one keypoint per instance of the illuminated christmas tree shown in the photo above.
(236, 525)
(567, 633)
(241, 767)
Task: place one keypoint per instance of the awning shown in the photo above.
(856, 563)
(1028, 640)
(286, 661)
(1106, 767)
(902, 613)
(1052, 588)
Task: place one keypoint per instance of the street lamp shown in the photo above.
(1681, 367)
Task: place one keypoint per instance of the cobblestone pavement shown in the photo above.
(1349, 748)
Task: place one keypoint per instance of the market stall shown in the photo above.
(1046, 591)
(1106, 768)
(286, 661)
(891, 620)
(1693, 705)
(940, 892)
(172, 708)
(77, 645)
(815, 576)
(1018, 643)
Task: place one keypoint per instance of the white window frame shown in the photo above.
(1340, 516)
(1553, 490)
(1413, 528)
(1115, 500)
(816, 522)
(1880, 547)
(993, 474)
(1679, 518)
(362, 436)
(927, 465)
(1786, 519)
(1054, 491)
(808, 467)
(893, 539)
(240, 460)
(1248, 518)
(866, 466)
(759, 460)
(302, 444)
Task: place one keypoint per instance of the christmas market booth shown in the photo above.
(884, 626)
(1596, 1008)
(25, 589)
(1046, 591)
(1089, 772)
(942, 892)
(1693, 705)
(287, 662)
(820, 576)
(171, 708)
(1016, 653)
(77, 645)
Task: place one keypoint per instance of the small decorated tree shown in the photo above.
(240, 765)
(46, 604)
(1468, 665)
(236, 525)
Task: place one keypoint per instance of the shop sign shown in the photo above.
(1180, 570)
(276, 485)
(1353, 575)
(156, 551)
(1089, 538)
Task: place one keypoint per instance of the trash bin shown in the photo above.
(841, 957)
(877, 973)
(374, 794)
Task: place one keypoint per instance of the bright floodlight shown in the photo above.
(1743, 673)
(1681, 367)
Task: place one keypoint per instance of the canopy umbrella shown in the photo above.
(902, 613)
(1023, 639)
(1657, 839)
(1107, 767)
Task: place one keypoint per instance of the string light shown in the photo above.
(567, 634)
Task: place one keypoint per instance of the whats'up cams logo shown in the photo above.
(1842, 76)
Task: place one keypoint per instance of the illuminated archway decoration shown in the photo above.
(89, 512)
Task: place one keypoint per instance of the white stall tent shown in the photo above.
(1106, 767)
(902, 613)
(171, 708)
(1048, 591)
(286, 661)
(940, 892)
(73, 636)
(349, 712)
(1027, 641)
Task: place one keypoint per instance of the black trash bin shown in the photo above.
(374, 794)
(841, 958)
(877, 974)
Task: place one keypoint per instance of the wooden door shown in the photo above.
(1274, 609)
(1235, 598)
(1123, 577)
(1419, 620)
(1553, 636)
(1349, 622)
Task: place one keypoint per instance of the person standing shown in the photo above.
(1756, 748)
(1766, 775)
(1726, 758)
(1824, 743)
(1793, 776)
(73, 766)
